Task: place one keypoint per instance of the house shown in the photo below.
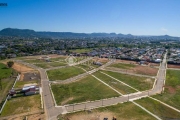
(31, 91)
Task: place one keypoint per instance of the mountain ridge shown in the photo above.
(48, 34)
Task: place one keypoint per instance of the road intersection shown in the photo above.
(52, 111)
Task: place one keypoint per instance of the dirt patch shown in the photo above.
(145, 70)
(126, 61)
(31, 76)
(173, 66)
(21, 68)
(138, 69)
(170, 89)
(102, 60)
(92, 116)
(154, 64)
(37, 116)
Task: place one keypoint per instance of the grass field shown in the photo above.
(20, 84)
(125, 111)
(113, 83)
(159, 109)
(81, 50)
(50, 64)
(171, 94)
(6, 80)
(86, 67)
(123, 66)
(140, 83)
(87, 89)
(64, 73)
(22, 104)
(4, 71)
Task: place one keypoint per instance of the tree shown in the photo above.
(10, 64)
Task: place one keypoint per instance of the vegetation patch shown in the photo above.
(125, 111)
(21, 105)
(171, 94)
(115, 84)
(86, 89)
(20, 84)
(140, 83)
(123, 66)
(64, 73)
(159, 109)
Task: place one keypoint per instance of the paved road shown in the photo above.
(52, 111)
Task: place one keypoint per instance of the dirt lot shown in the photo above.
(28, 76)
(22, 68)
(37, 116)
(102, 60)
(125, 61)
(138, 69)
(92, 116)
(173, 66)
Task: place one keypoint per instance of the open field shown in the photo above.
(20, 84)
(115, 84)
(102, 60)
(86, 67)
(64, 73)
(86, 89)
(125, 111)
(171, 94)
(81, 50)
(159, 109)
(132, 68)
(140, 83)
(173, 66)
(6, 80)
(21, 105)
(50, 64)
(123, 66)
(22, 68)
(5, 72)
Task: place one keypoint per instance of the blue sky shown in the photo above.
(137, 17)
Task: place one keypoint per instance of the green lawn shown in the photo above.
(6, 80)
(64, 73)
(22, 104)
(51, 64)
(81, 50)
(159, 109)
(4, 71)
(140, 83)
(115, 84)
(86, 67)
(123, 66)
(125, 111)
(20, 84)
(87, 89)
(171, 94)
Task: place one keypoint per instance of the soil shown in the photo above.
(170, 89)
(173, 66)
(92, 116)
(125, 61)
(145, 70)
(102, 60)
(21, 68)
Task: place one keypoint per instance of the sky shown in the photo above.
(137, 17)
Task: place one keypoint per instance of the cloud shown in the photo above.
(164, 29)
